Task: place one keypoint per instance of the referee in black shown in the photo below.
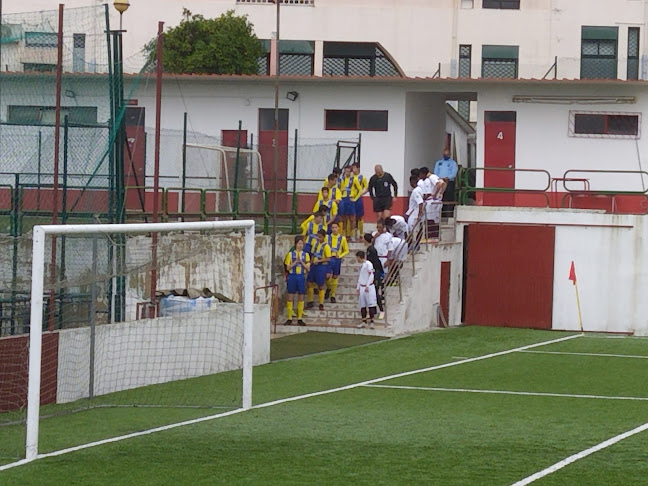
(380, 186)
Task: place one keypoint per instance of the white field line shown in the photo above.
(507, 392)
(573, 458)
(285, 400)
(604, 355)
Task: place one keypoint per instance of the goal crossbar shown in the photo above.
(37, 288)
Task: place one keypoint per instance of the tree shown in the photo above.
(225, 45)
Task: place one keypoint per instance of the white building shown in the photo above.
(353, 66)
(467, 38)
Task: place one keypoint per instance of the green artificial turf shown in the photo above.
(306, 343)
(368, 435)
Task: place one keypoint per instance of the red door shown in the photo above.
(509, 276)
(444, 295)
(266, 148)
(135, 158)
(499, 153)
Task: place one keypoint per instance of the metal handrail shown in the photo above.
(607, 171)
(466, 185)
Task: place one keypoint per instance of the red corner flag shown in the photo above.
(572, 273)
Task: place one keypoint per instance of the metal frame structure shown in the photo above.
(37, 288)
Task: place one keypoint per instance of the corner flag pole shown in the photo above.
(572, 277)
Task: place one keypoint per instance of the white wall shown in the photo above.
(135, 354)
(425, 129)
(611, 265)
(543, 141)
(421, 293)
(214, 106)
(418, 33)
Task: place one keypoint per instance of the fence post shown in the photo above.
(295, 162)
(236, 169)
(184, 163)
(15, 231)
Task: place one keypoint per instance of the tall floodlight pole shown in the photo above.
(275, 143)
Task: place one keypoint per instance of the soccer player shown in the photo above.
(346, 209)
(397, 226)
(416, 204)
(339, 249)
(334, 192)
(366, 290)
(381, 241)
(360, 188)
(310, 227)
(372, 256)
(297, 264)
(380, 191)
(321, 254)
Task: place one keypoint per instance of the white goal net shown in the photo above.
(156, 319)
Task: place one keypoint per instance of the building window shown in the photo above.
(467, 3)
(356, 59)
(633, 53)
(465, 61)
(604, 125)
(41, 39)
(39, 67)
(296, 58)
(45, 115)
(368, 120)
(500, 61)
(502, 4)
(599, 52)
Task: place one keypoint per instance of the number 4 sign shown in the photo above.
(500, 136)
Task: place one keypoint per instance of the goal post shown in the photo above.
(38, 276)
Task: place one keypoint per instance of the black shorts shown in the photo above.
(382, 203)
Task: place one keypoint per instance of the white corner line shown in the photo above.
(573, 458)
(602, 355)
(283, 400)
(507, 392)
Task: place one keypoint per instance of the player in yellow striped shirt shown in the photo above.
(321, 253)
(339, 249)
(334, 191)
(297, 264)
(310, 227)
(358, 190)
(326, 204)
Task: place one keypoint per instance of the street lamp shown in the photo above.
(121, 6)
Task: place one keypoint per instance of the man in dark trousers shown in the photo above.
(372, 256)
(446, 169)
(380, 191)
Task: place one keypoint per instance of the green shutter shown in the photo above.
(600, 33)
(500, 52)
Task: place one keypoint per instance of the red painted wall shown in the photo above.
(14, 366)
(444, 295)
(509, 276)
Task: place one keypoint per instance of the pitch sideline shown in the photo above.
(281, 401)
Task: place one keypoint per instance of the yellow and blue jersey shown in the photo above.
(347, 186)
(321, 251)
(360, 183)
(328, 202)
(299, 269)
(310, 229)
(338, 244)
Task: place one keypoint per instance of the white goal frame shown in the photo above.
(37, 288)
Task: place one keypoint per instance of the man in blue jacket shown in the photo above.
(446, 169)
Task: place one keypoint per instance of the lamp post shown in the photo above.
(117, 172)
(121, 6)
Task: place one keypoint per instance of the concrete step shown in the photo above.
(379, 330)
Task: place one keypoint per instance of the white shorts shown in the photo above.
(367, 297)
(433, 211)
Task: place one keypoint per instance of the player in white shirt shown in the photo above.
(366, 290)
(416, 204)
(381, 240)
(434, 204)
(397, 226)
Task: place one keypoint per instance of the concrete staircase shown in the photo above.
(344, 315)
